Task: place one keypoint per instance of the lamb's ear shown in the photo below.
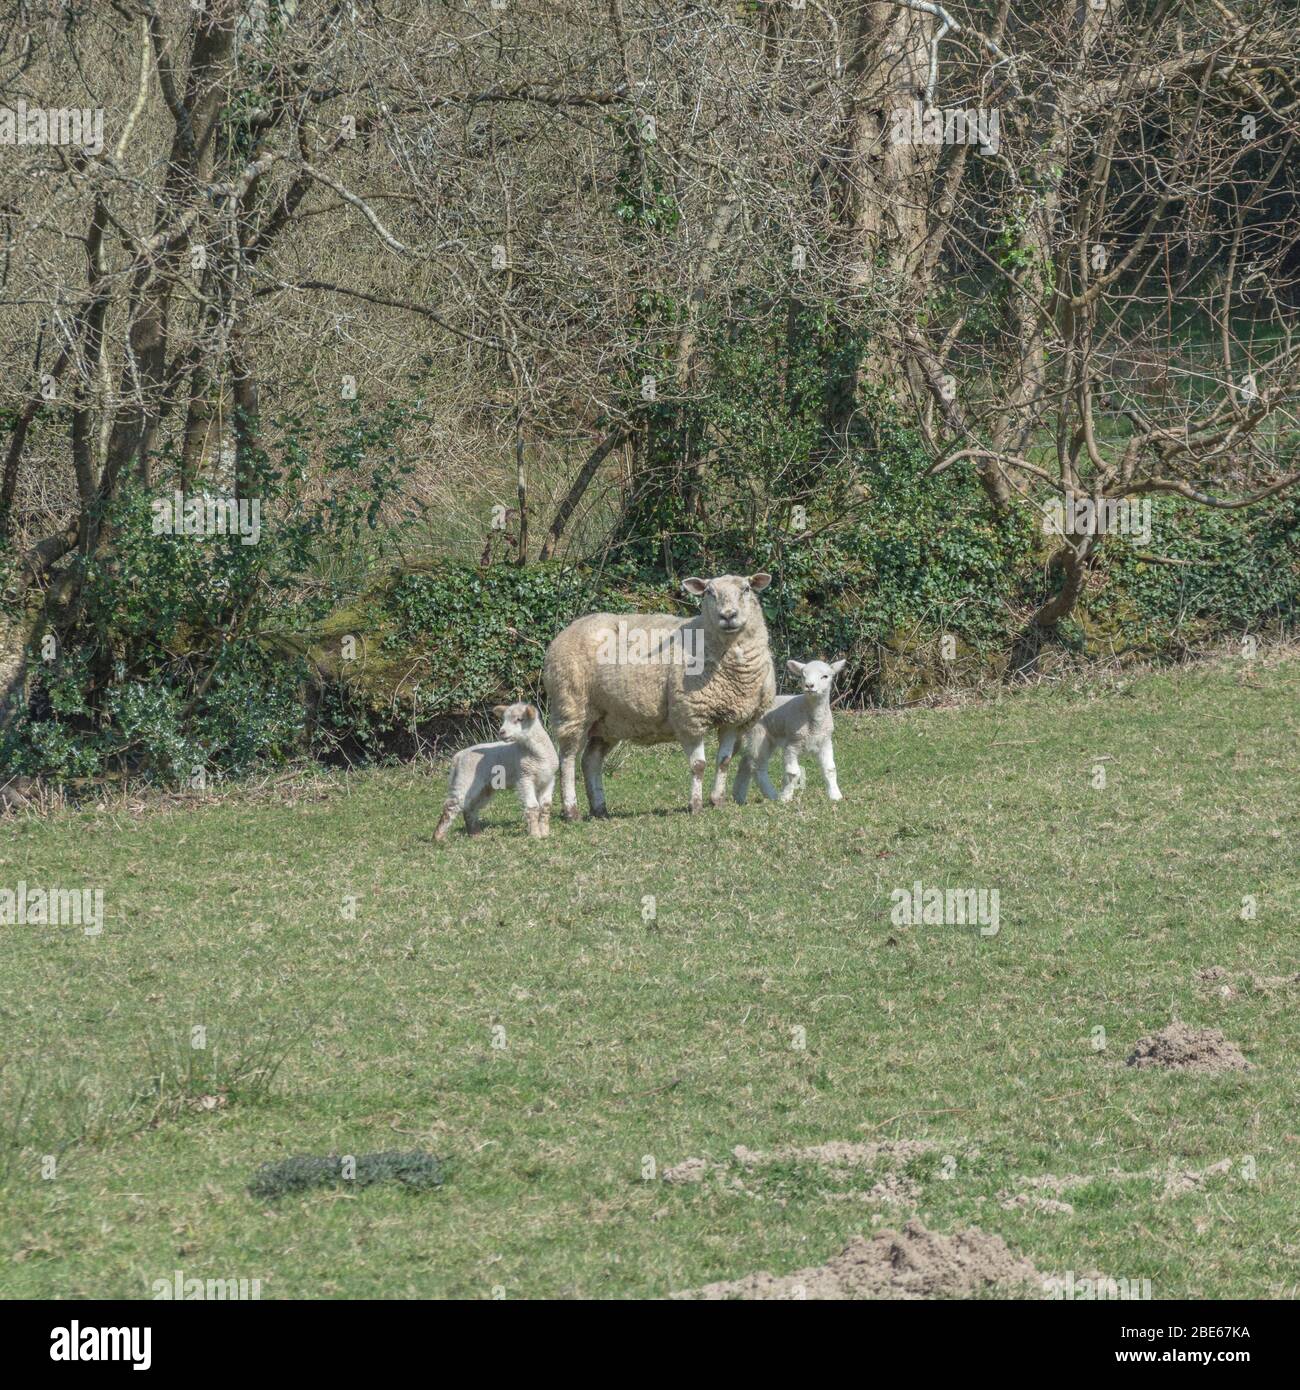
(758, 582)
(530, 712)
(500, 710)
(695, 586)
(837, 667)
(795, 668)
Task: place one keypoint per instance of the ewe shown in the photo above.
(654, 678)
(795, 724)
(526, 760)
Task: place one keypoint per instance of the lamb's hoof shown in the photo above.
(839, 796)
(571, 812)
(696, 805)
(718, 799)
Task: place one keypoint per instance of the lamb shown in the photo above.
(654, 678)
(525, 759)
(795, 724)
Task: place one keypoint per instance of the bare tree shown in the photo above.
(1060, 241)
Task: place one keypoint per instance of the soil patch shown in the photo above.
(913, 1263)
(839, 1153)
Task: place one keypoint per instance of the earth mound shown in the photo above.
(1180, 1048)
(913, 1263)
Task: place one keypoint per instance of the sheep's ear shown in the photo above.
(530, 712)
(759, 581)
(695, 586)
(500, 710)
(837, 667)
(795, 668)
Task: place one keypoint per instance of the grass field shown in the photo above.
(509, 1005)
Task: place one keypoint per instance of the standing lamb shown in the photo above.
(655, 678)
(795, 724)
(525, 759)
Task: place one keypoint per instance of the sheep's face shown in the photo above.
(729, 603)
(814, 677)
(517, 720)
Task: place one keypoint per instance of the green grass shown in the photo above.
(674, 1037)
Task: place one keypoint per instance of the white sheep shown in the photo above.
(524, 759)
(655, 678)
(795, 724)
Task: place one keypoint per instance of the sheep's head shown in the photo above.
(814, 677)
(517, 720)
(728, 602)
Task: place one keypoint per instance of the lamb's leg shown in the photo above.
(474, 808)
(793, 773)
(593, 761)
(450, 810)
(761, 760)
(544, 796)
(694, 750)
(826, 756)
(460, 790)
(532, 811)
(726, 747)
(569, 749)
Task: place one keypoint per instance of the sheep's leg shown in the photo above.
(740, 788)
(726, 747)
(826, 756)
(694, 750)
(544, 796)
(793, 773)
(532, 811)
(593, 762)
(569, 778)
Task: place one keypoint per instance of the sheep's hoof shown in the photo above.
(571, 812)
(696, 805)
(718, 799)
(599, 813)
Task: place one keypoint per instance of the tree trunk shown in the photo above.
(881, 193)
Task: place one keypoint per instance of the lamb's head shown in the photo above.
(814, 677)
(518, 721)
(729, 603)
